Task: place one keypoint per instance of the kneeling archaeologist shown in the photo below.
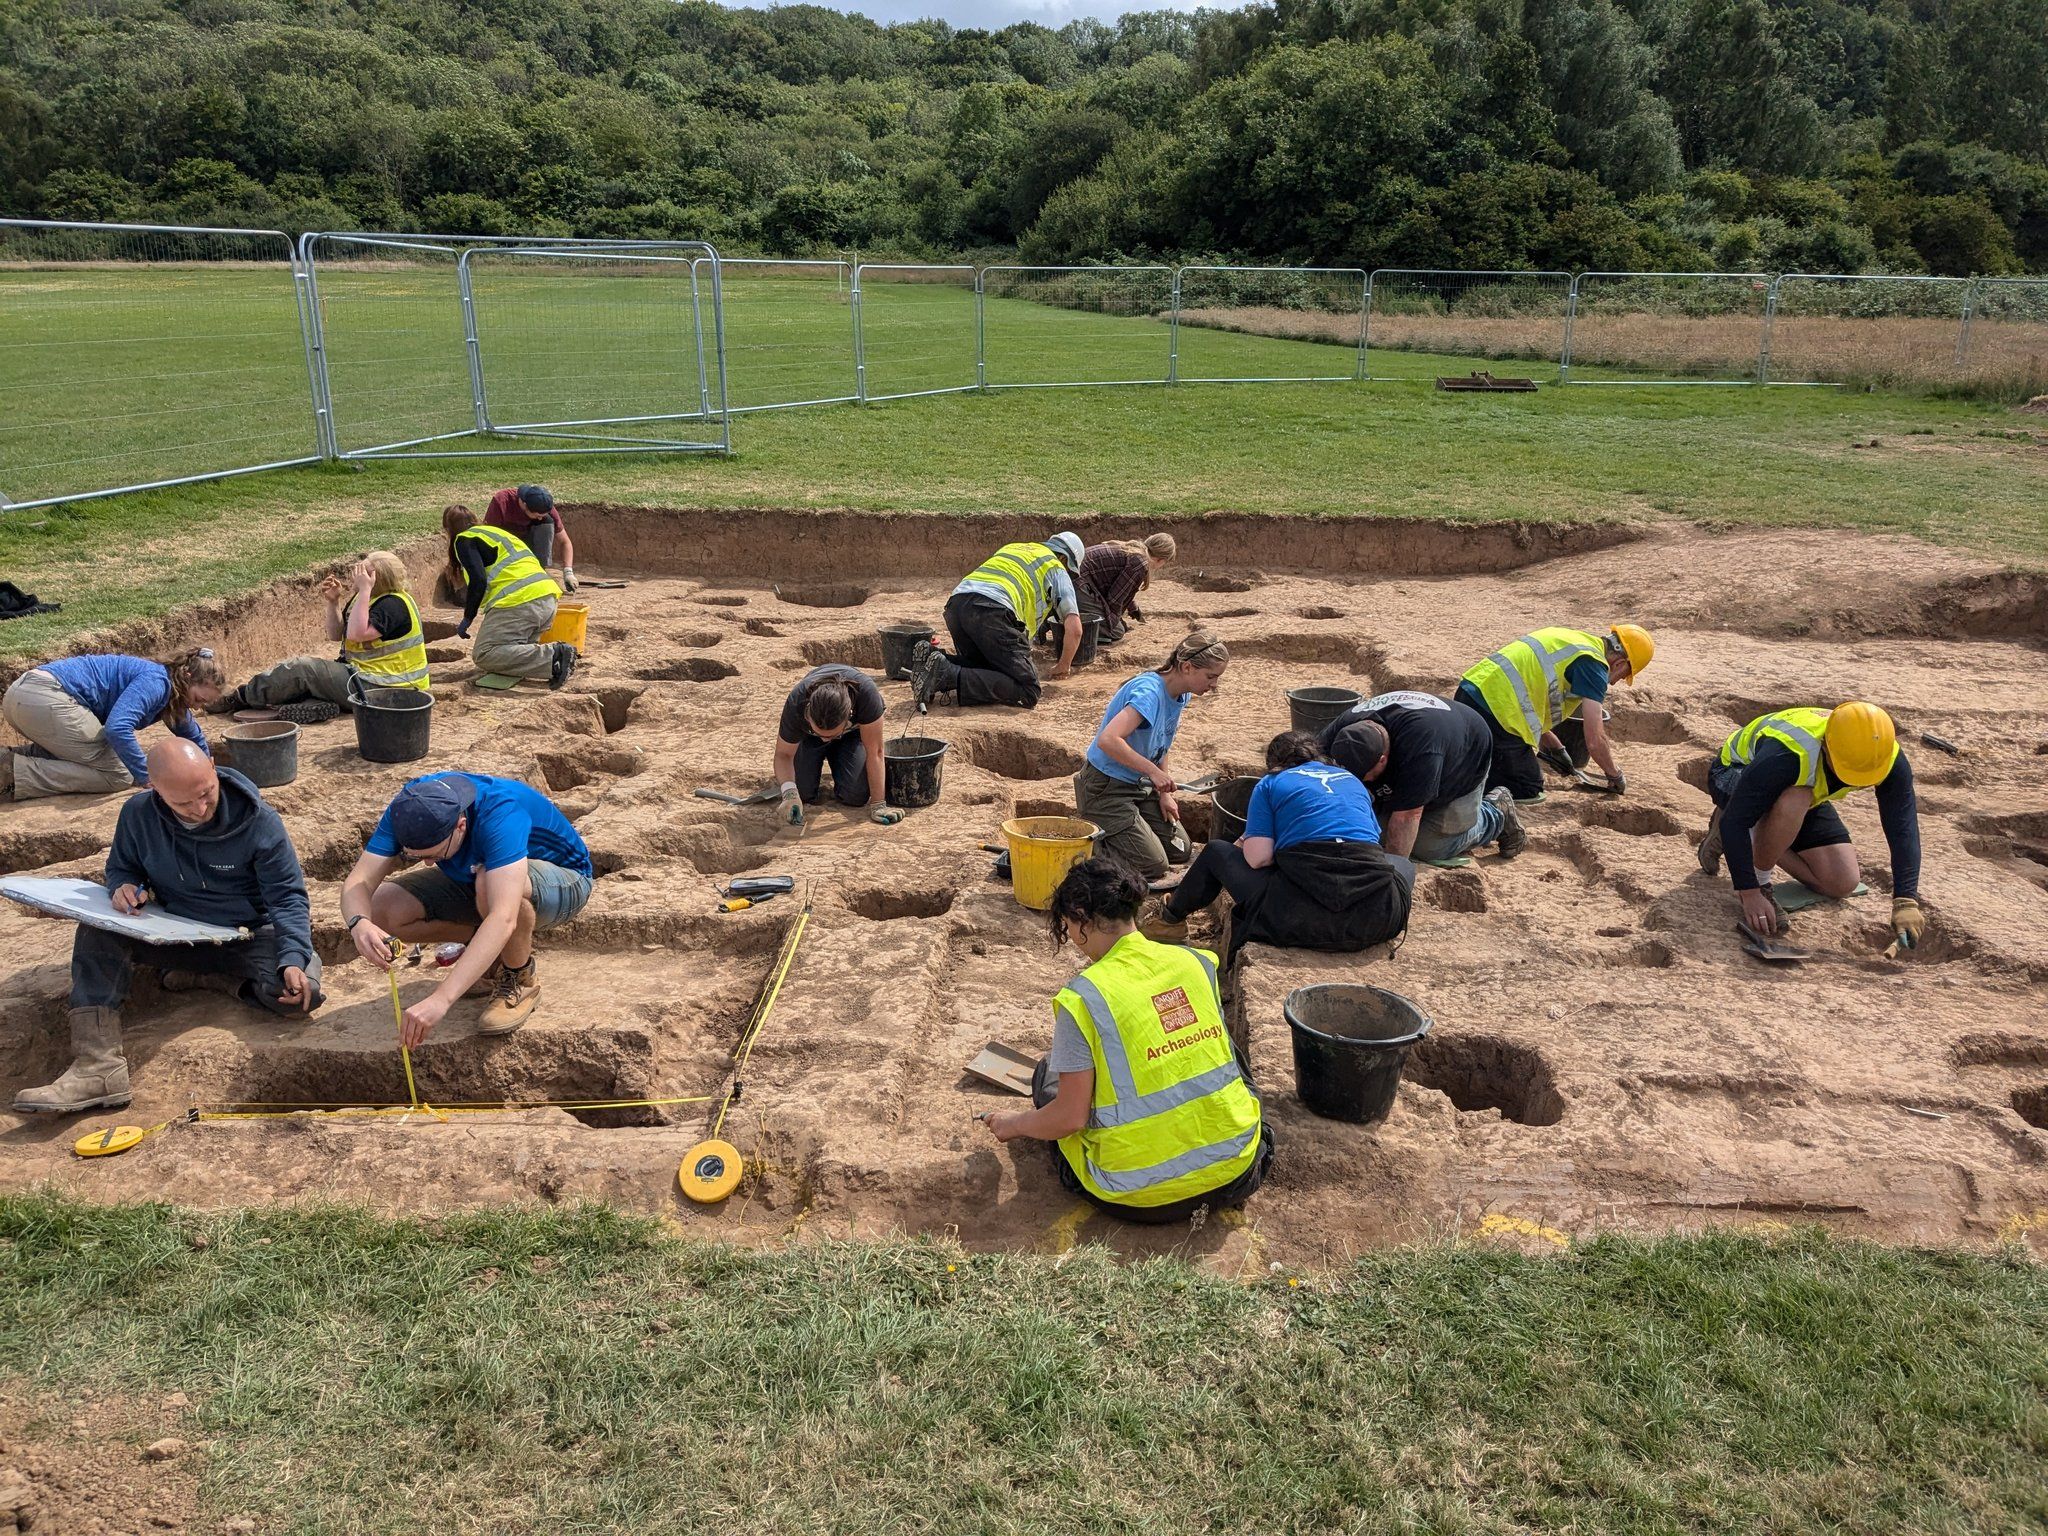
(505, 864)
(1426, 761)
(505, 583)
(200, 843)
(1124, 786)
(992, 616)
(832, 718)
(1529, 687)
(382, 643)
(1774, 790)
(1150, 1109)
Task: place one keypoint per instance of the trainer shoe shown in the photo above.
(564, 664)
(927, 666)
(1710, 845)
(308, 711)
(513, 996)
(1514, 837)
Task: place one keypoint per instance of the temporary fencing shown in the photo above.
(2004, 346)
(1040, 325)
(1832, 329)
(1226, 319)
(789, 328)
(1465, 318)
(134, 356)
(1666, 327)
(915, 330)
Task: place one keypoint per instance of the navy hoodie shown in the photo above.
(238, 869)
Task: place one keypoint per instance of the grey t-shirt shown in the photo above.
(1070, 1052)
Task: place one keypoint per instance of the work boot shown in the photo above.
(927, 668)
(1710, 845)
(228, 703)
(1514, 837)
(487, 983)
(1160, 925)
(201, 981)
(308, 711)
(97, 1077)
(564, 664)
(513, 994)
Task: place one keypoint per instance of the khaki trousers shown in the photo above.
(81, 760)
(506, 640)
(300, 677)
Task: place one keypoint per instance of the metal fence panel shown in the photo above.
(567, 340)
(1666, 327)
(788, 333)
(136, 356)
(1423, 323)
(2004, 350)
(1049, 327)
(1269, 325)
(1828, 328)
(914, 330)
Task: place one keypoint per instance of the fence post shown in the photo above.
(697, 319)
(1173, 333)
(1763, 354)
(1571, 313)
(980, 332)
(860, 350)
(312, 325)
(476, 361)
(1364, 305)
(718, 321)
(1969, 310)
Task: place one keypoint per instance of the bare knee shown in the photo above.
(395, 909)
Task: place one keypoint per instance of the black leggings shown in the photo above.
(1219, 867)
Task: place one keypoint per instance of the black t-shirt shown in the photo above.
(387, 616)
(1438, 750)
(868, 703)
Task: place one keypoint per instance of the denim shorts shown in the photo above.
(558, 894)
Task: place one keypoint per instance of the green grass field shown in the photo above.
(515, 1372)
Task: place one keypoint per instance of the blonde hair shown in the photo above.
(195, 667)
(1198, 648)
(390, 573)
(1160, 546)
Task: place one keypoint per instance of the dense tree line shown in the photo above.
(1824, 135)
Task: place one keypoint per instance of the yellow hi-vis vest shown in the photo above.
(1024, 572)
(515, 576)
(400, 663)
(1172, 1117)
(1523, 682)
(1803, 732)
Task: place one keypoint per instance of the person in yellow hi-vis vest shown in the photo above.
(992, 616)
(382, 642)
(515, 595)
(1774, 790)
(1143, 1092)
(1530, 687)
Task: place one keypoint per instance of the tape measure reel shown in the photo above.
(115, 1138)
(711, 1170)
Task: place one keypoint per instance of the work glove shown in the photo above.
(1136, 617)
(1616, 785)
(462, 631)
(1908, 921)
(568, 578)
(886, 815)
(1558, 758)
(791, 807)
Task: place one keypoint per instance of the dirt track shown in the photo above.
(1603, 1056)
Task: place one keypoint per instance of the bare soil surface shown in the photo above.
(1604, 1056)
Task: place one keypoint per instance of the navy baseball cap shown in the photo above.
(426, 810)
(538, 498)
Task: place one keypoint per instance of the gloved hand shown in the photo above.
(1908, 921)
(886, 815)
(568, 578)
(462, 631)
(1556, 757)
(790, 809)
(1615, 786)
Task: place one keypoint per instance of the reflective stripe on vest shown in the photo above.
(1024, 572)
(400, 663)
(1125, 1124)
(514, 575)
(1803, 733)
(1513, 677)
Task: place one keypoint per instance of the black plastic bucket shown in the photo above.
(266, 754)
(1313, 708)
(911, 767)
(898, 640)
(1350, 1043)
(1228, 803)
(393, 724)
(1091, 637)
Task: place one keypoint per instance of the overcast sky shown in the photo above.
(1000, 13)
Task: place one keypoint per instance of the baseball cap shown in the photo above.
(426, 810)
(538, 498)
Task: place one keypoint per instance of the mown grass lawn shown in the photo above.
(517, 1372)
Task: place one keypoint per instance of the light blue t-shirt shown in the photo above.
(509, 822)
(1160, 712)
(1311, 803)
(1064, 603)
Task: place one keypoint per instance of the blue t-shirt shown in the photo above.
(1160, 712)
(125, 693)
(1587, 678)
(1311, 803)
(509, 822)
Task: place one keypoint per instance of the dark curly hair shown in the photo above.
(1095, 890)
(1290, 749)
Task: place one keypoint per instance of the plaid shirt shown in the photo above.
(1115, 574)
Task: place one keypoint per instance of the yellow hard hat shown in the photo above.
(1637, 645)
(1860, 742)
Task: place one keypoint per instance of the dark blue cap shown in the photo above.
(538, 498)
(426, 810)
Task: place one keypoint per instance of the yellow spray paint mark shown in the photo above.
(1252, 1265)
(1065, 1232)
(1496, 1225)
(2020, 1223)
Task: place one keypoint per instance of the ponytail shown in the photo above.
(1198, 648)
(189, 669)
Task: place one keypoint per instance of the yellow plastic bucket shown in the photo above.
(572, 621)
(1042, 850)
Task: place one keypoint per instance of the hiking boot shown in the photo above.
(308, 711)
(201, 981)
(927, 666)
(1514, 837)
(1159, 924)
(228, 703)
(564, 664)
(513, 994)
(487, 983)
(1710, 845)
(97, 1077)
